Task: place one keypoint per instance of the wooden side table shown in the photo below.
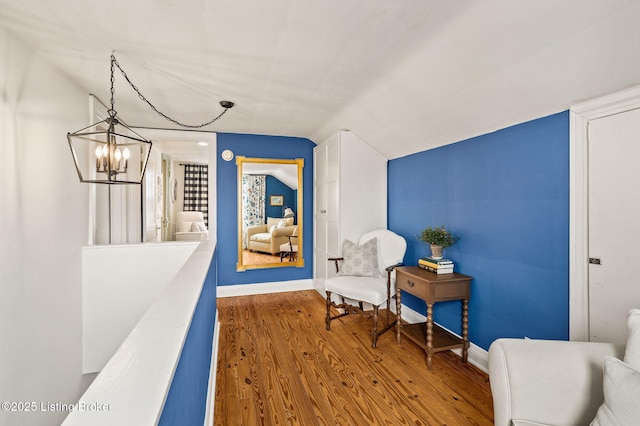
(432, 288)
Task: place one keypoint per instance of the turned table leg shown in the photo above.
(429, 335)
(398, 318)
(327, 318)
(465, 329)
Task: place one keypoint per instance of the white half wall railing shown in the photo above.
(119, 284)
(132, 387)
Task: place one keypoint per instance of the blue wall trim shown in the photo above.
(507, 195)
(187, 398)
(227, 209)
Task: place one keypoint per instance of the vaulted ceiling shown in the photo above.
(404, 75)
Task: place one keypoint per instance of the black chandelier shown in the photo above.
(110, 152)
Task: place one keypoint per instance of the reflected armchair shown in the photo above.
(190, 227)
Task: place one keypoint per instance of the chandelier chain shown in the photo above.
(112, 111)
(114, 62)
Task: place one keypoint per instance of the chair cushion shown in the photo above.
(632, 351)
(367, 289)
(191, 236)
(621, 387)
(263, 237)
(360, 260)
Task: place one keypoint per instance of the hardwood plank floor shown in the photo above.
(278, 365)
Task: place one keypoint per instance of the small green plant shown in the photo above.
(438, 236)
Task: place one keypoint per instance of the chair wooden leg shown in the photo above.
(346, 311)
(374, 332)
(388, 312)
(327, 319)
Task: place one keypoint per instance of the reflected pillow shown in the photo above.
(198, 227)
(360, 260)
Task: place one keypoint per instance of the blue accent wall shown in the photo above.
(186, 401)
(275, 187)
(261, 146)
(507, 195)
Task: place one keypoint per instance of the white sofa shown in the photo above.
(544, 382)
(190, 227)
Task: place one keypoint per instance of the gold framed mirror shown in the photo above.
(270, 213)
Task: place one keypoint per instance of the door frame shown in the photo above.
(580, 116)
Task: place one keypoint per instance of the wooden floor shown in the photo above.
(278, 365)
(258, 258)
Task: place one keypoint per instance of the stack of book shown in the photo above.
(439, 266)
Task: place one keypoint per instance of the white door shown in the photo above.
(319, 216)
(159, 205)
(614, 224)
(332, 196)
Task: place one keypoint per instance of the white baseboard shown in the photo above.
(211, 392)
(476, 355)
(264, 288)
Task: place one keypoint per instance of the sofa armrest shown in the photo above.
(256, 230)
(545, 381)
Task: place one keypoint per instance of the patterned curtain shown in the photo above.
(196, 190)
(254, 188)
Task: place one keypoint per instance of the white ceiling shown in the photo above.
(405, 76)
(285, 173)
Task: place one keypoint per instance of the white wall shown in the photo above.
(43, 220)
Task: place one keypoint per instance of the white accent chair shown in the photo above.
(551, 382)
(373, 290)
(547, 382)
(190, 226)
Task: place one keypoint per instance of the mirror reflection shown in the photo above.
(270, 213)
(170, 213)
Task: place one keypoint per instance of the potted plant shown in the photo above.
(438, 238)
